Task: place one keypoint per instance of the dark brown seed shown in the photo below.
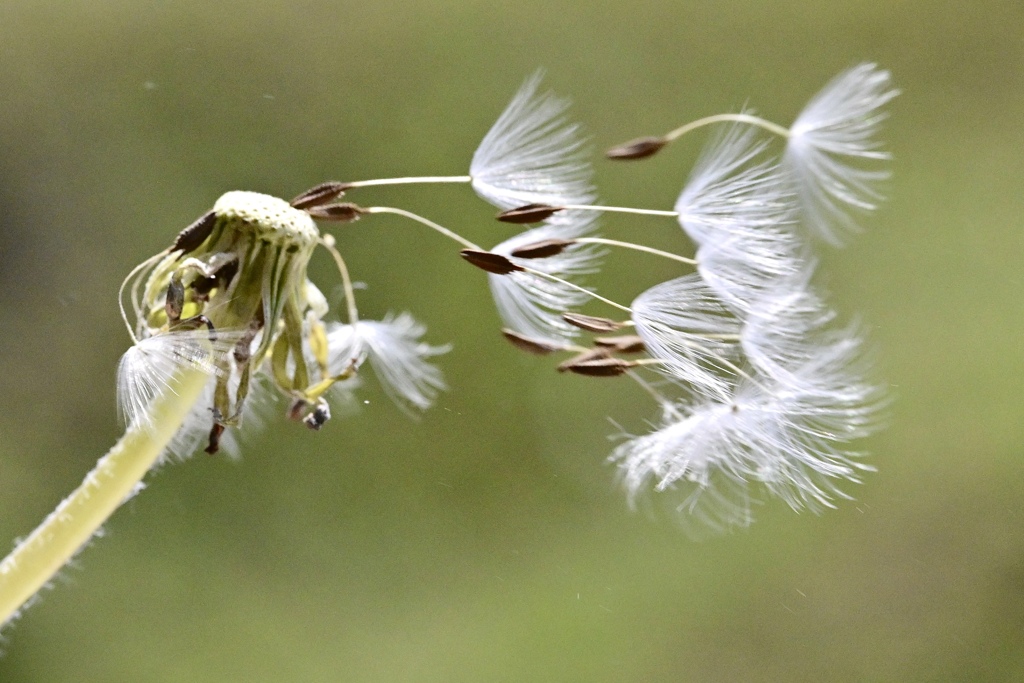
(489, 261)
(542, 249)
(630, 343)
(602, 367)
(214, 443)
(343, 212)
(531, 213)
(531, 344)
(298, 409)
(190, 238)
(320, 194)
(591, 323)
(636, 149)
(585, 357)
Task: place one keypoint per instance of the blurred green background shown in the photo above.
(488, 541)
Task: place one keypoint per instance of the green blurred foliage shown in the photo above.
(487, 541)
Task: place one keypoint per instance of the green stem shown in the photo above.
(724, 118)
(36, 559)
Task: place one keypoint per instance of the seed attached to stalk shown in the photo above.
(489, 261)
(530, 213)
(641, 148)
(342, 212)
(630, 343)
(599, 367)
(533, 345)
(542, 249)
(320, 194)
(592, 323)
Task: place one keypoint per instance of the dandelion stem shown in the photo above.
(572, 285)
(723, 118)
(429, 223)
(620, 209)
(346, 281)
(636, 247)
(70, 526)
(410, 180)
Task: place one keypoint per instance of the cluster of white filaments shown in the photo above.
(760, 391)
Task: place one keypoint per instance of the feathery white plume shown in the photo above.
(732, 188)
(687, 327)
(395, 352)
(749, 266)
(689, 461)
(533, 155)
(831, 154)
(791, 440)
(787, 330)
(149, 368)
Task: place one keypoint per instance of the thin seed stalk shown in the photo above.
(39, 557)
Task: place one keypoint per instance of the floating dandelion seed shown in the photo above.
(533, 155)
(832, 152)
(398, 356)
(531, 304)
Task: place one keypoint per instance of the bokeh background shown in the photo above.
(488, 541)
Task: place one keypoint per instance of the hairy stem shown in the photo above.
(40, 556)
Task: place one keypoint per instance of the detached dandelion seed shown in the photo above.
(533, 155)
(832, 153)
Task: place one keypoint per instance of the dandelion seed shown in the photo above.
(787, 441)
(748, 266)
(533, 155)
(787, 330)
(398, 357)
(689, 460)
(686, 326)
(733, 189)
(827, 143)
(149, 368)
(532, 305)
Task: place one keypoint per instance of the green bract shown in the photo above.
(240, 271)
